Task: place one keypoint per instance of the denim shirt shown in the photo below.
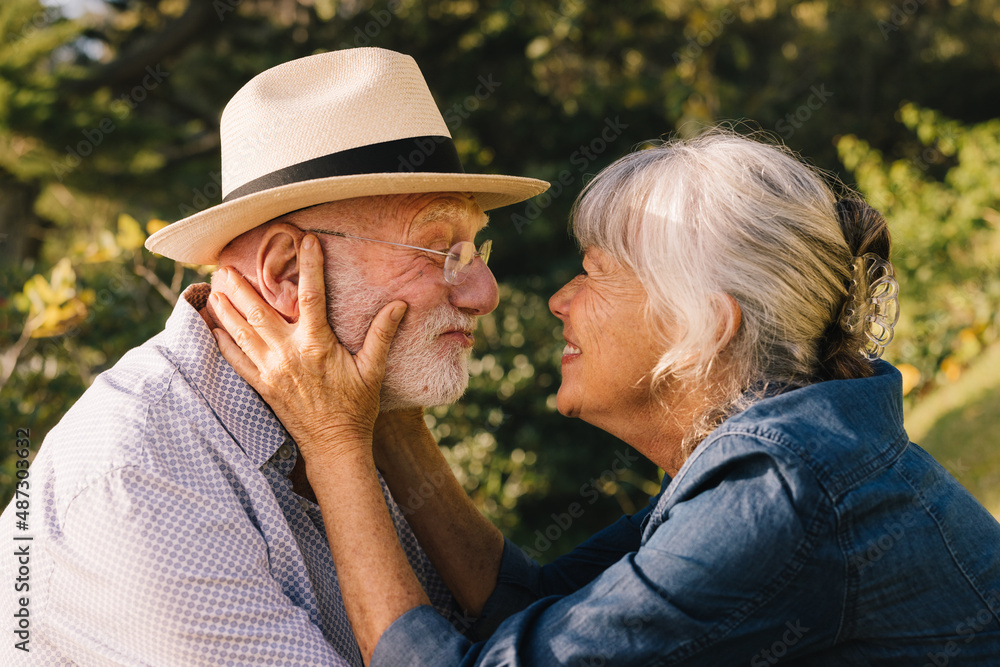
(805, 530)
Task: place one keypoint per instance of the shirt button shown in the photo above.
(285, 452)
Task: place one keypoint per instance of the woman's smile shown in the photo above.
(570, 352)
(602, 311)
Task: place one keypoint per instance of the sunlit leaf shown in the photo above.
(54, 305)
(130, 236)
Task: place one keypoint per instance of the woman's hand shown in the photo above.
(327, 398)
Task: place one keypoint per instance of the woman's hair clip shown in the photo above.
(877, 311)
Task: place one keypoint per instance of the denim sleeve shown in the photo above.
(573, 571)
(731, 573)
(522, 581)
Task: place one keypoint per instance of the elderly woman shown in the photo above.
(726, 324)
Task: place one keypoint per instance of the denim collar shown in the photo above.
(843, 430)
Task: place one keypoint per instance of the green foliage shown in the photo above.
(62, 329)
(957, 423)
(118, 113)
(942, 206)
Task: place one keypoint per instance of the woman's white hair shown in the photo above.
(720, 214)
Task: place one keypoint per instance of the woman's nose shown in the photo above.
(559, 302)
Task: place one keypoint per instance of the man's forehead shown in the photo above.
(407, 213)
(454, 208)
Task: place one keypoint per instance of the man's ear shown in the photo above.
(278, 268)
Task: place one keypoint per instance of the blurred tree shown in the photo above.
(946, 237)
(117, 112)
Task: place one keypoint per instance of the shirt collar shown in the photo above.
(189, 343)
(842, 428)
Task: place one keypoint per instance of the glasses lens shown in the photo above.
(460, 258)
(484, 251)
(456, 266)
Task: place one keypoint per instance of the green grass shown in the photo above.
(959, 424)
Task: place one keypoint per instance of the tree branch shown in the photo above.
(148, 50)
(144, 272)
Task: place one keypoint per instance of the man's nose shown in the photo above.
(478, 294)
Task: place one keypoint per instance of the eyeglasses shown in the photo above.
(458, 260)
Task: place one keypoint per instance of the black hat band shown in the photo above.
(414, 154)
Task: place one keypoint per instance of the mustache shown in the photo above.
(443, 319)
(353, 307)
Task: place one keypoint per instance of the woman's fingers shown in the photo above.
(371, 358)
(312, 290)
(251, 308)
(241, 332)
(300, 368)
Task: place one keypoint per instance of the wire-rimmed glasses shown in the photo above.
(458, 260)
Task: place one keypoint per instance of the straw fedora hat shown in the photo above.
(332, 126)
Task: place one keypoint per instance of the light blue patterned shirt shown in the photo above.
(165, 531)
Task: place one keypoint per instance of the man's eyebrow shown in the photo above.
(445, 210)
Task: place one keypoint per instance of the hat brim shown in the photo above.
(199, 238)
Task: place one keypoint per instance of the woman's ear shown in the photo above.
(730, 317)
(278, 269)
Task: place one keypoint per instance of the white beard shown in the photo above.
(421, 369)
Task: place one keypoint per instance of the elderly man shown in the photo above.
(172, 523)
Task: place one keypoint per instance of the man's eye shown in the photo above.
(436, 257)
